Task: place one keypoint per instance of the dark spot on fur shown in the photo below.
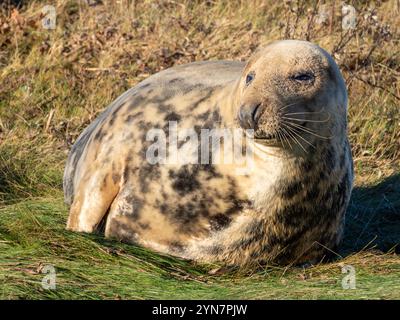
(175, 80)
(136, 204)
(122, 232)
(290, 189)
(126, 173)
(194, 87)
(201, 100)
(209, 119)
(313, 193)
(99, 134)
(220, 221)
(132, 103)
(144, 126)
(144, 226)
(187, 214)
(184, 180)
(195, 203)
(203, 116)
(164, 195)
(104, 184)
(172, 116)
(307, 166)
(182, 142)
(165, 107)
(147, 174)
(131, 117)
(113, 117)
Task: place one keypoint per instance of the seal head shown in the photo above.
(289, 90)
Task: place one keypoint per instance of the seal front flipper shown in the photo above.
(94, 196)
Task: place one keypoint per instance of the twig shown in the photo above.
(373, 84)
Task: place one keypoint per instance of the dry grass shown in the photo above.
(55, 82)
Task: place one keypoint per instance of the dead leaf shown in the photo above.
(16, 18)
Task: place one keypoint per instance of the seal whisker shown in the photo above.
(307, 130)
(297, 141)
(298, 135)
(287, 133)
(306, 112)
(279, 137)
(307, 120)
(284, 134)
(290, 132)
(302, 127)
(287, 106)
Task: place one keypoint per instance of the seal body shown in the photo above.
(287, 206)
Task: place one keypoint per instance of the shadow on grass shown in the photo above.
(149, 257)
(373, 218)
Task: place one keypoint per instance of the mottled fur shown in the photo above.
(288, 209)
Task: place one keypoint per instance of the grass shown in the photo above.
(89, 267)
(53, 83)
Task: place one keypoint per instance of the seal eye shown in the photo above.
(304, 77)
(249, 78)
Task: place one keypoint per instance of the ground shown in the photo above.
(55, 82)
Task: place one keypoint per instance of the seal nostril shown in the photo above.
(249, 115)
(255, 114)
